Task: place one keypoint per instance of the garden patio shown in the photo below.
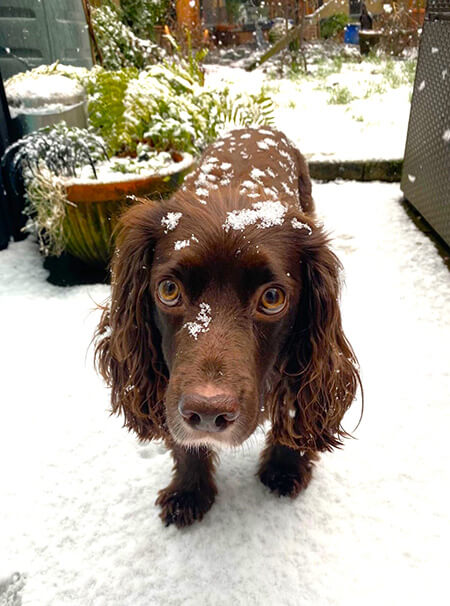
(77, 522)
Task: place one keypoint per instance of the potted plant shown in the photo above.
(75, 193)
(145, 130)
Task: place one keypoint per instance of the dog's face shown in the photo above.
(222, 305)
(224, 302)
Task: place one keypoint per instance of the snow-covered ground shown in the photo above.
(345, 108)
(77, 520)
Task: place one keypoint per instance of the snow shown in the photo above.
(45, 110)
(171, 221)
(117, 169)
(179, 244)
(296, 224)
(77, 518)
(202, 321)
(42, 90)
(263, 214)
(361, 129)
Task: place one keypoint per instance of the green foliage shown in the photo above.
(119, 46)
(374, 56)
(398, 73)
(296, 69)
(332, 65)
(188, 59)
(340, 95)
(233, 10)
(168, 107)
(143, 15)
(331, 26)
(106, 91)
(409, 70)
(395, 73)
(374, 89)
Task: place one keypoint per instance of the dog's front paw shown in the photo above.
(183, 507)
(285, 481)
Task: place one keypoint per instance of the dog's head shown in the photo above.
(222, 315)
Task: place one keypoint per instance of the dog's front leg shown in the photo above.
(192, 490)
(284, 470)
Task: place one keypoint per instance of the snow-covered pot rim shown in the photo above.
(37, 92)
(78, 190)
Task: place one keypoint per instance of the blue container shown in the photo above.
(351, 35)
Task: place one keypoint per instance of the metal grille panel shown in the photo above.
(426, 169)
(438, 6)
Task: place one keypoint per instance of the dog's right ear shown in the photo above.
(128, 348)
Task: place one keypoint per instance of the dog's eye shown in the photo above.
(169, 292)
(272, 301)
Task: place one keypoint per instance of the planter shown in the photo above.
(89, 223)
(44, 100)
(368, 40)
(25, 122)
(394, 43)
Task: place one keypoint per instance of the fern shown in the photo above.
(168, 107)
(106, 91)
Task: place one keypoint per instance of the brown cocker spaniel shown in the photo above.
(224, 314)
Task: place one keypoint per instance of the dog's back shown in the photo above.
(277, 169)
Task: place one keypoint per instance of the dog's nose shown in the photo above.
(209, 413)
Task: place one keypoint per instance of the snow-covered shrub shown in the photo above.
(119, 46)
(42, 158)
(59, 149)
(168, 107)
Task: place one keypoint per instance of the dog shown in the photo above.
(224, 314)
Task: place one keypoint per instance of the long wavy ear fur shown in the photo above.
(128, 352)
(319, 369)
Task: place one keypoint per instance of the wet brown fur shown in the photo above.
(299, 365)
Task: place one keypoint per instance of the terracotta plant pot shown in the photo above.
(89, 223)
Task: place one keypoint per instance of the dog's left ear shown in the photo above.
(319, 369)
